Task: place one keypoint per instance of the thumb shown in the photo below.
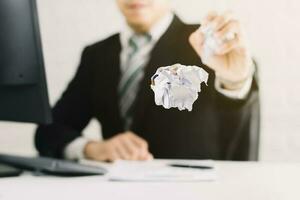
(196, 40)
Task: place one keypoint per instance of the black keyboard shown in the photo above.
(9, 171)
(51, 166)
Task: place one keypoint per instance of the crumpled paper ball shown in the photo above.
(211, 43)
(177, 86)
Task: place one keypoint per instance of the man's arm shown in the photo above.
(71, 114)
(237, 118)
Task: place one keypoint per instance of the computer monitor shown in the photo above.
(23, 89)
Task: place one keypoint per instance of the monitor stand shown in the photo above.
(8, 171)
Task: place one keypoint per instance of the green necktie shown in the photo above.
(132, 75)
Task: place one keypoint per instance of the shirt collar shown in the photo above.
(155, 32)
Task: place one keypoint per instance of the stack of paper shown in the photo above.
(161, 171)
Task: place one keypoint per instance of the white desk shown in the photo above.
(236, 181)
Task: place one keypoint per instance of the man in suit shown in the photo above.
(112, 84)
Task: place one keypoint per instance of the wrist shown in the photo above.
(238, 83)
(230, 85)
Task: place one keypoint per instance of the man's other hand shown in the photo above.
(125, 146)
(231, 62)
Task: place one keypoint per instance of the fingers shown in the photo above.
(100, 150)
(209, 17)
(140, 142)
(227, 30)
(221, 44)
(228, 46)
(220, 21)
(232, 27)
(123, 152)
(112, 155)
(231, 36)
(132, 150)
(223, 25)
(148, 156)
(141, 146)
(217, 21)
(128, 146)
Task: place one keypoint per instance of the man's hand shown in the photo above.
(231, 61)
(125, 146)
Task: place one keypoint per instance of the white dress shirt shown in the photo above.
(75, 149)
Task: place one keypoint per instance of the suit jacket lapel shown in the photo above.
(113, 66)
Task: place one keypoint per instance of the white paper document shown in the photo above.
(161, 171)
(177, 86)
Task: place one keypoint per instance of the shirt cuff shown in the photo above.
(235, 94)
(75, 149)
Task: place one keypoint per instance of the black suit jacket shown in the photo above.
(217, 127)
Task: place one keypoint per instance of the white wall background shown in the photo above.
(273, 29)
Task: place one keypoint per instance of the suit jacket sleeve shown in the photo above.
(71, 114)
(237, 120)
(239, 125)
